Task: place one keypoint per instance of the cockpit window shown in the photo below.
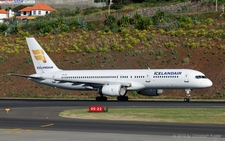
(200, 76)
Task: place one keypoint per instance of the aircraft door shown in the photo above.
(147, 79)
(53, 78)
(186, 78)
(118, 76)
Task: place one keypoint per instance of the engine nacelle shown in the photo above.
(113, 90)
(151, 92)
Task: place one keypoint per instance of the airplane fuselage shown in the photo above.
(133, 79)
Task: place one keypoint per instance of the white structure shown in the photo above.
(3, 15)
(40, 9)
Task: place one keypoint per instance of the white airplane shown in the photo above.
(150, 82)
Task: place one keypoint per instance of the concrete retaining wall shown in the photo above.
(63, 4)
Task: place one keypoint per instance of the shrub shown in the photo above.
(135, 54)
(74, 23)
(185, 19)
(162, 31)
(136, 17)
(110, 20)
(82, 24)
(89, 49)
(159, 53)
(91, 26)
(180, 32)
(28, 59)
(114, 28)
(170, 27)
(185, 60)
(190, 54)
(144, 23)
(59, 22)
(13, 30)
(46, 29)
(152, 53)
(3, 27)
(170, 45)
(65, 28)
(124, 21)
(209, 21)
(40, 25)
(158, 17)
(158, 57)
(221, 47)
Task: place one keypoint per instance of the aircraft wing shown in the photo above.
(90, 83)
(95, 84)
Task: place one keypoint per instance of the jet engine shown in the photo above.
(150, 92)
(113, 90)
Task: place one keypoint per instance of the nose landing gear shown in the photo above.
(187, 99)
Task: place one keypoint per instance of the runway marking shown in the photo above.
(19, 131)
(46, 125)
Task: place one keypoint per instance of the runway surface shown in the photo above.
(39, 118)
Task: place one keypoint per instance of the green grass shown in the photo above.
(179, 115)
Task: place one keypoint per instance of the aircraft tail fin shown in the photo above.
(42, 62)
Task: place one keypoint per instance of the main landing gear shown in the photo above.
(104, 98)
(101, 98)
(187, 99)
(122, 98)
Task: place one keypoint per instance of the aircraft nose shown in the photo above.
(209, 83)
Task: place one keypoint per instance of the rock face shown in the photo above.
(176, 8)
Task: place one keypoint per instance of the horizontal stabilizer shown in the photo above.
(26, 76)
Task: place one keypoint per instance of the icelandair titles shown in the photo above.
(45, 67)
(167, 73)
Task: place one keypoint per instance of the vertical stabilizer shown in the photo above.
(42, 62)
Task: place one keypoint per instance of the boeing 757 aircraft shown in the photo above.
(150, 82)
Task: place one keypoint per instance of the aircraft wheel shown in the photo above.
(104, 98)
(186, 99)
(122, 98)
(101, 98)
(97, 98)
(126, 98)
